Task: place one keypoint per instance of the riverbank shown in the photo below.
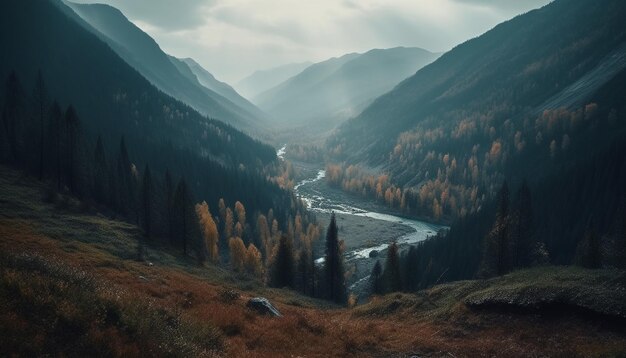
(362, 232)
(365, 226)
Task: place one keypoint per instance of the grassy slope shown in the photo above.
(71, 284)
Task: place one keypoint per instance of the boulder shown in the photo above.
(263, 306)
(373, 253)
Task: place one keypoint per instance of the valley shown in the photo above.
(366, 227)
(334, 179)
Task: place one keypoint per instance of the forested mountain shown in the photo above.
(82, 70)
(140, 51)
(262, 80)
(539, 97)
(339, 88)
(137, 127)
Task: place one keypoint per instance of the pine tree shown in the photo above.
(283, 265)
(169, 205)
(72, 125)
(127, 184)
(12, 115)
(391, 275)
(56, 139)
(333, 264)
(522, 236)
(147, 203)
(40, 104)
(496, 255)
(376, 279)
(619, 243)
(184, 214)
(589, 251)
(100, 172)
(411, 267)
(125, 181)
(306, 272)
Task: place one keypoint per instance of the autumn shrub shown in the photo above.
(229, 296)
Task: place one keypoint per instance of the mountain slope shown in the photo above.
(519, 64)
(539, 97)
(113, 100)
(113, 97)
(262, 80)
(209, 81)
(144, 54)
(340, 88)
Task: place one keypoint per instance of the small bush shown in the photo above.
(229, 296)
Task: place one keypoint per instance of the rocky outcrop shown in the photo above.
(263, 306)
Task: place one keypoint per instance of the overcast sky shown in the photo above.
(233, 38)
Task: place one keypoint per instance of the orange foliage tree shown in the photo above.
(238, 253)
(209, 230)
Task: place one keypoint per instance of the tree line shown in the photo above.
(47, 141)
(500, 239)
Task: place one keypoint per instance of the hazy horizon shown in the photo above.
(236, 38)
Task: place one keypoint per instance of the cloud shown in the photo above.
(283, 27)
(508, 6)
(233, 38)
(163, 14)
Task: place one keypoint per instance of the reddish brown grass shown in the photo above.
(314, 332)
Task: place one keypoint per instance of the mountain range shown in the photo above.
(262, 80)
(339, 88)
(526, 64)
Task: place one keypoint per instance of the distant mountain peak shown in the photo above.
(338, 88)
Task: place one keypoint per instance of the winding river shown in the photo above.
(317, 200)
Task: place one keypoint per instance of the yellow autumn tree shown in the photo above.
(275, 232)
(228, 223)
(270, 216)
(238, 253)
(272, 243)
(263, 232)
(254, 262)
(222, 209)
(312, 234)
(241, 213)
(298, 227)
(238, 230)
(208, 229)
